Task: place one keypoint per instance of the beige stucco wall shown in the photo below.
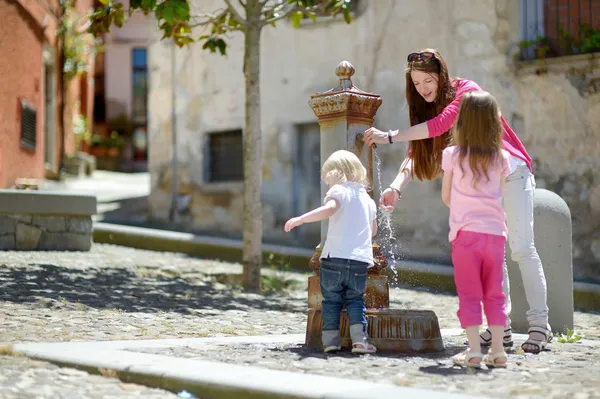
(118, 47)
(477, 38)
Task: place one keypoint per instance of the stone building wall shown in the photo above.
(553, 113)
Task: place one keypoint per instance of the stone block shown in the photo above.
(553, 240)
(7, 242)
(22, 218)
(65, 242)
(21, 202)
(27, 237)
(7, 224)
(79, 224)
(50, 223)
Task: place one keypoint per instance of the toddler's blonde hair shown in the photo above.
(343, 166)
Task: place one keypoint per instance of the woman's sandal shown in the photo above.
(491, 359)
(539, 344)
(362, 348)
(485, 338)
(463, 359)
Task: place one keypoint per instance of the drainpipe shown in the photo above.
(173, 209)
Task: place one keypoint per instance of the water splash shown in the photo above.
(386, 235)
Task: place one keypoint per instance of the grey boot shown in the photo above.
(331, 340)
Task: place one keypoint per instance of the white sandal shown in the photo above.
(491, 359)
(463, 359)
(361, 348)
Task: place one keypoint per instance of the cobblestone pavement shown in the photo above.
(116, 293)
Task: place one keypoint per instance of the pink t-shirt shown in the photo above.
(444, 121)
(478, 209)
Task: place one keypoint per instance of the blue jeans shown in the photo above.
(343, 283)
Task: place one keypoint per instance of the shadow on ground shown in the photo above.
(303, 352)
(116, 288)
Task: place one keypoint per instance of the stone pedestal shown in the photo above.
(344, 113)
(553, 241)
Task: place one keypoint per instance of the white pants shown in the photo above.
(518, 205)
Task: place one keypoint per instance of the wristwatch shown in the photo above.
(390, 136)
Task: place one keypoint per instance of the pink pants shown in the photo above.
(478, 259)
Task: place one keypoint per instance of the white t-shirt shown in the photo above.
(350, 231)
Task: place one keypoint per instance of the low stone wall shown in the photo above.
(38, 220)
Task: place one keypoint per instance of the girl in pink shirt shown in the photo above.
(433, 101)
(474, 173)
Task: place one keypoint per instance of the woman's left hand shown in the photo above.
(375, 136)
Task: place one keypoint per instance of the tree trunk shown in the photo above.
(252, 222)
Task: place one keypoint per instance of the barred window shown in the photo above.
(225, 156)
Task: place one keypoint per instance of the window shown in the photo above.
(559, 27)
(28, 126)
(225, 157)
(140, 86)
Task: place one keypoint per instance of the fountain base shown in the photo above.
(390, 330)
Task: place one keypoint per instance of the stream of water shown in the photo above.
(386, 236)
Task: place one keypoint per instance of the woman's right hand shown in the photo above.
(375, 136)
(389, 199)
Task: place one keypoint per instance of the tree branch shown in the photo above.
(242, 3)
(282, 15)
(238, 17)
(210, 18)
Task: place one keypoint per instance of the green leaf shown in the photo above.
(181, 10)
(222, 46)
(347, 16)
(105, 2)
(296, 18)
(119, 17)
(148, 5)
(312, 15)
(168, 15)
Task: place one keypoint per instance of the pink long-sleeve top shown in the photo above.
(443, 122)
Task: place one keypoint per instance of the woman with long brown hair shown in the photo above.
(433, 101)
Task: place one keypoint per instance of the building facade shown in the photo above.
(550, 98)
(32, 144)
(122, 94)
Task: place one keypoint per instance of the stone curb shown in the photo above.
(208, 378)
(47, 203)
(440, 277)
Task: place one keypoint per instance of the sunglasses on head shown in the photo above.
(424, 56)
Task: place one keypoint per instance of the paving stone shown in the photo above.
(118, 293)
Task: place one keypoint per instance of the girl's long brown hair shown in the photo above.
(427, 153)
(478, 133)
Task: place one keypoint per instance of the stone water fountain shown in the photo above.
(344, 113)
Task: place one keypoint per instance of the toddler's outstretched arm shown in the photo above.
(316, 215)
